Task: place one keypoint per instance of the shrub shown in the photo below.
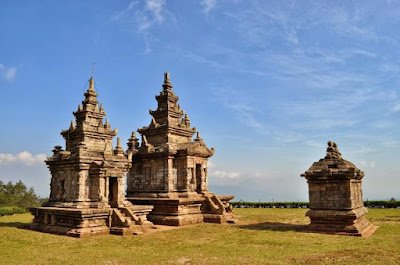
(369, 204)
(11, 210)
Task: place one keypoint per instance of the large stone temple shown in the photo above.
(88, 180)
(169, 168)
(336, 204)
(167, 180)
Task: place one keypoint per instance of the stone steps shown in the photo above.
(125, 222)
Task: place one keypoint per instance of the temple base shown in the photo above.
(344, 222)
(173, 212)
(90, 221)
(188, 210)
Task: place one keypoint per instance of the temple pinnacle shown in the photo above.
(167, 82)
(91, 84)
(166, 77)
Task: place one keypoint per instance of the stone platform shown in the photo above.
(174, 212)
(350, 222)
(90, 221)
(185, 211)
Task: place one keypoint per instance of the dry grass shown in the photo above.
(263, 236)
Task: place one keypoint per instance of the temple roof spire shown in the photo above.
(167, 82)
(90, 94)
(91, 84)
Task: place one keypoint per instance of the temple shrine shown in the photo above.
(169, 168)
(336, 204)
(87, 194)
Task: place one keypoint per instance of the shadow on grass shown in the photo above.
(13, 224)
(275, 226)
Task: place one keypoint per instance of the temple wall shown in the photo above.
(96, 190)
(64, 184)
(156, 139)
(196, 172)
(172, 174)
(329, 195)
(98, 144)
(177, 139)
(93, 121)
(149, 175)
(356, 194)
(182, 174)
(172, 178)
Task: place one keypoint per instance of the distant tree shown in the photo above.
(18, 194)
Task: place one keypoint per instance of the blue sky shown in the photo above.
(267, 83)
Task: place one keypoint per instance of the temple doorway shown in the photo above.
(113, 191)
(198, 178)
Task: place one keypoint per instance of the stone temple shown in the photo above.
(167, 180)
(88, 178)
(169, 168)
(336, 204)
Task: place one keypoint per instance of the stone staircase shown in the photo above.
(124, 221)
(216, 210)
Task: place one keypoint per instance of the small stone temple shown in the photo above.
(336, 204)
(169, 168)
(87, 190)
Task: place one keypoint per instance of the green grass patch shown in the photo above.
(262, 236)
(11, 210)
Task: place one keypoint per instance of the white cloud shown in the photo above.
(8, 73)
(247, 115)
(120, 14)
(367, 164)
(396, 108)
(222, 174)
(156, 8)
(153, 12)
(26, 158)
(143, 16)
(208, 5)
(234, 100)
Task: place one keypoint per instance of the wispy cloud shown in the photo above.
(247, 115)
(396, 108)
(152, 13)
(142, 17)
(208, 5)
(262, 21)
(26, 158)
(326, 89)
(233, 100)
(156, 8)
(367, 164)
(123, 12)
(222, 174)
(8, 73)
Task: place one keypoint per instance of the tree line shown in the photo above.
(17, 198)
(392, 203)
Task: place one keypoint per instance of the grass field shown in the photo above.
(263, 236)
